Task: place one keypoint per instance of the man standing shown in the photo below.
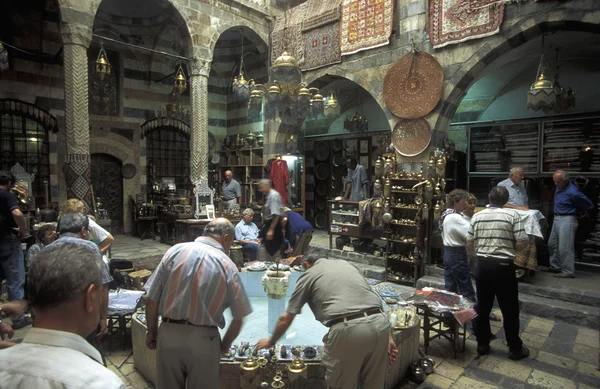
(359, 341)
(357, 181)
(12, 230)
(517, 194)
(74, 226)
(246, 232)
(272, 210)
(561, 244)
(232, 192)
(191, 288)
(496, 234)
(65, 288)
(298, 231)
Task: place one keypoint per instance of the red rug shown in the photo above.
(456, 21)
(365, 24)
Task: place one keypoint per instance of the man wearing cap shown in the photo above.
(359, 341)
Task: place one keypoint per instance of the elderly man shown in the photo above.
(273, 208)
(73, 226)
(191, 287)
(231, 191)
(357, 181)
(12, 230)
(359, 341)
(496, 234)
(517, 194)
(246, 232)
(568, 199)
(66, 292)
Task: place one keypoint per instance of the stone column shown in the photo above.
(76, 39)
(200, 68)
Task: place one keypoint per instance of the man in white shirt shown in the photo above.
(517, 194)
(66, 292)
(246, 232)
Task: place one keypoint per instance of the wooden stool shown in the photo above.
(433, 328)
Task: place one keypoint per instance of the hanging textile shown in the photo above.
(280, 178)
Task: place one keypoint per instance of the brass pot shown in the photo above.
(250, 138)
(260, 140)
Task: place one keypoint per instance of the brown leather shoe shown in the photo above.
(564, 275)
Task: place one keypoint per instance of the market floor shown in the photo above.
(563, 356)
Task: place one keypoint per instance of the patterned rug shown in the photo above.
(290, 40)
(322, 46)
(455, 21)
(78, 176)
(321, 12)
(366, 24)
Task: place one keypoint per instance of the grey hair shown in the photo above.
(219, 228)
(248, 211)
(514, 170)
(312, 258)
(62, 271)
(72, 222)
(265, 181)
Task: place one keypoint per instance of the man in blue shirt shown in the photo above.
(561, 245)
(297, 231)
(246, 233)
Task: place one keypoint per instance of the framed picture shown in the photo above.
(364, 146)
(169, 183)
(364, 160)
(350, 147)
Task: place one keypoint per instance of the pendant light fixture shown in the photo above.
(565, 98)
(332, 107)
(180, 84)
(103, 67)
(241, 87)
(3, 58)
(542, 95)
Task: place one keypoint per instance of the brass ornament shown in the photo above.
(103, 67)
(297, 366)
(411, 137)
(180, 84)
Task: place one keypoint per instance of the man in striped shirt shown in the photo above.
(496, 234)
(191, 288)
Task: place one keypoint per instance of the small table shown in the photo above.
(146, 223)
(442, 325)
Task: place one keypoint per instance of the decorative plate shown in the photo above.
(337, 160)
(412, 87)
(411, 137)
(321, 171)
(215, 158)
(128, 170)
(322, 188)
(337, 145)
(321, 151)
(321, 203)
(257, 266)
(321, 220)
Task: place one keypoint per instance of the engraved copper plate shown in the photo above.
(411, 137)
(413, 86)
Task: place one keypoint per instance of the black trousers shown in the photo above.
(274, 245)
(496, 279)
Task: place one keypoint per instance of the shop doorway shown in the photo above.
(107, 182)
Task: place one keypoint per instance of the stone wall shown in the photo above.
(463, 63)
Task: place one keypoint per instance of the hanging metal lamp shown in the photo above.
(180, 84)
(332, 107)
(102, 65)
(241, 86)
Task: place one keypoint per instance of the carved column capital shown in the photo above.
(200, 67)
(76, 34)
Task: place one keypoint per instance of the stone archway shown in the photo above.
(513, 37)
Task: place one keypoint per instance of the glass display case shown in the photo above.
(572, 145)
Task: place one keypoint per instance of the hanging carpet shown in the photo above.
(321, 12)
(322, 46)
(365, 24)
(456, 21)
(289, 39)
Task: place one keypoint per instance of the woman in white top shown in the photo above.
(457, 275)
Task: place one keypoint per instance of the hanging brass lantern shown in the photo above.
(303, 103)
(332, 108)
(241, 87)
(180, 84)
(103, 67)
(318, 107)
(255, 105)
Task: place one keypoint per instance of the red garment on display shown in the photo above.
(280, 178)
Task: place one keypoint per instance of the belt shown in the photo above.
(183, 321)
(495, 261)
(365, 313)
(565, 214)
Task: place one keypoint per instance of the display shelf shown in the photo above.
(496, 147)
(405, 191)
(399, 241)
(334, 223)
(406, 208)
(344, 214)
(572, 145)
